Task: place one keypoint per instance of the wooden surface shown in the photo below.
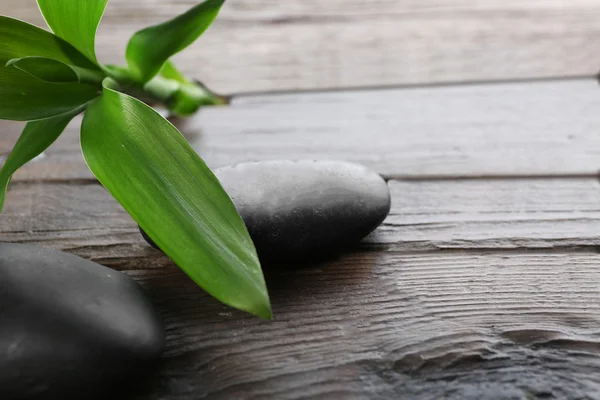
(484, 281)
(426, 215)
(473, 289)
(548, 128)
(258, 45)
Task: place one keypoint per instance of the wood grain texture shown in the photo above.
(478, 288)
(519, 129)
(388, 320)
(506, 214)
(62, 161)
(543, 128)
(271, 45)
(493, 214)
(393, 325)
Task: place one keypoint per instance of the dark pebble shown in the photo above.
(300, 210)
(70, 328)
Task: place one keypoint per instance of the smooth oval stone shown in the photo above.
(70, 328)
(298, 210)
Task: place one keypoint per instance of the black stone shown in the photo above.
(299, 210)
(70, 328)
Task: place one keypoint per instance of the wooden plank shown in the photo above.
(384, 321)
(271, 45)
(260, 10)
(81, 219)
(543, 128)
(519, 129)
(391, 325)
(467, 215)
(63, 161)
(496, 214)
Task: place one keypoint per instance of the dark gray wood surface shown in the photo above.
(417, 310)
(483, 283)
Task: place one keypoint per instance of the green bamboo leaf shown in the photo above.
(150, 48)
(148, 166)
(190, 95)
(19, 39)
(76, 21)
(36, 137)
(46, 69)
(161, 88)
(169, 71)
(24, 98)
(188, 99)
(185, 101)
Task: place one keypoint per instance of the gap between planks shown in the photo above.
(399, 178)
(240, 96)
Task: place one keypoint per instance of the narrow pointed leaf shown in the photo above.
(150, 48)
(25, 98)
(94, 77)
(161, 88)
(169, 71)
(36, 137)
(19, 39)
(46, 69)
(76, 21)
(119, 73)
(188, 99)
(190, 95)
(148, 166)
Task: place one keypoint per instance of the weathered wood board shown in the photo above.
(273, 45)
(427, 215)
(548, 214)
(374, 325)
(549, 128)
(516, 318)
(484, 281)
